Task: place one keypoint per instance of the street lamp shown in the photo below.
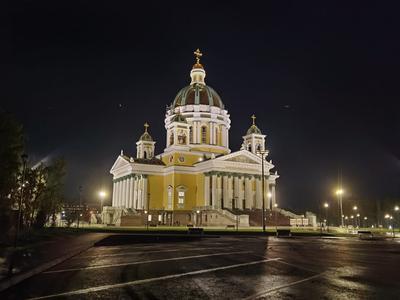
(326, 205)
(197, 217)
(358, 221)
(365, 222)
(339, 193)
(262, 153)
(102, 195)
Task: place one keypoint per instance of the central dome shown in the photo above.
(196, 94)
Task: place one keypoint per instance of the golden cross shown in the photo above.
(254, 119)
(146, 126)
(198, 54)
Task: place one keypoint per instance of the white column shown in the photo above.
(247, 193)
(267, 198)
(134, 193)
(219, 191)
(273, 198)
(214, 190)
(206, 190)
(126, 203)
(227, 137)
(230, 192)
(212, 133)
(121, 199)
(139, 193)
(118, 194)
(225, 190)
(114, 195)
(130, 196)
(236, 197)
(145, 192)
(258, 193)
(198, 133)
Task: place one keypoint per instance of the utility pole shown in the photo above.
(262, 153)
(80, 204)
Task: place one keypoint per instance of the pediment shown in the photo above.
(242, 159)
(242, 156)
(119, 163)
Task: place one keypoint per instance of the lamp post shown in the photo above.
(197, 218)
(262, 153)
(102, 195)
(365, 222)
(326, 206)
(80, 205)
(276, 218)
(339, 193)
(358, 221)
(396, 210)
(237, 216)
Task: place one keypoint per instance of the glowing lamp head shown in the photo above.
(339, 192)
(102, 194)
(326, 205)
(396, 208)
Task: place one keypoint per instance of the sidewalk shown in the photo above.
(34, 258)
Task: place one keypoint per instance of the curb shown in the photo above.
(7, 283)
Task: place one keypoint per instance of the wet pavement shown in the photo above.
(224, 268)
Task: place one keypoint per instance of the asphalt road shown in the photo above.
(225, 268)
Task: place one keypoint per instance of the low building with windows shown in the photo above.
(197, 179)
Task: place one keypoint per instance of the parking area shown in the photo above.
(224, 268)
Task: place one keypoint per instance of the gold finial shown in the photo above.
(198, 54)
(146, 126)
(254, 119)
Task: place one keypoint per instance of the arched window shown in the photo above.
(216, 136)
(258, 147)
(171, 138)
(191, 134)
(249, 147)
(170, 190)
(145, 154)
(204, 134)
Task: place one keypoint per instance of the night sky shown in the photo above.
(322, 78)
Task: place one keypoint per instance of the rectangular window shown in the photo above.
(181, 197)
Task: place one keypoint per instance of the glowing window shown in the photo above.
(181, 197)
(204, 134)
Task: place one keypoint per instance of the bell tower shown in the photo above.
(254, 140)
(145, 146)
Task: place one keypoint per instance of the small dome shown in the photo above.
(179, 118)
(146, 137)
(197, 94)
(253, 130)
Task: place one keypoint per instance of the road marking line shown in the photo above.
(283, 286)
(144, 262)
(148, 280)
(157, 251)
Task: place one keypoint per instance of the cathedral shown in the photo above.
(197, 179)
